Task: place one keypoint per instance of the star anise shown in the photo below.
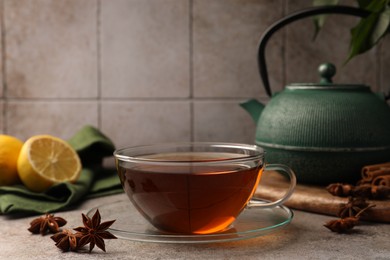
(45, 224)
(94, 232)
(353, 206)
(343, 225)
(340, 189)
(366, 190)
(66, 240)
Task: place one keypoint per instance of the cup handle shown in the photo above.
(287, 195)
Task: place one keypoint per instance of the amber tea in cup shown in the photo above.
(193, 188)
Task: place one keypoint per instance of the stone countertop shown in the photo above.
(304, 238)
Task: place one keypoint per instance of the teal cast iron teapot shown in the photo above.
(325, 132)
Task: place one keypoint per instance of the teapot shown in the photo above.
(325, 132)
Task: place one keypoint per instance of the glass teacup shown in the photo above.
(194, 188)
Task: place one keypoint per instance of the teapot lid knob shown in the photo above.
(327, 71)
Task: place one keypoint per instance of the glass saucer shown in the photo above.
(130, 225)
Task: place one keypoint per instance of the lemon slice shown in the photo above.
(45, 160)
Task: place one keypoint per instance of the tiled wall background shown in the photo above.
(147, 71)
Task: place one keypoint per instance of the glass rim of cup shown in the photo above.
(133, 153)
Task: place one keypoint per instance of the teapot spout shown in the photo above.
(254, 108)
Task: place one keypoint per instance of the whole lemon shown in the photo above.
(9, 152)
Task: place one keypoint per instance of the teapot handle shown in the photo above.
(312, 11)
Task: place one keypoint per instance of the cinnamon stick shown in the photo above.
(382, 180)
(369, 176)
(374, 167)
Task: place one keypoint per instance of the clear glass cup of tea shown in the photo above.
(195, 188)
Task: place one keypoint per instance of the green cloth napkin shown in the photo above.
(92, 146)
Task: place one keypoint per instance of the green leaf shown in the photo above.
(319, 20)
(368, 32)
(381, 26)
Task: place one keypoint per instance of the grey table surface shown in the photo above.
(304, 238)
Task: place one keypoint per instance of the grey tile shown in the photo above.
(51, 48)
(303, 55)
(225, 35)
(146, 122)
(145, 48)
(222, 121)
(58, 118)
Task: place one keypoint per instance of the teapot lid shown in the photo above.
(326, 72)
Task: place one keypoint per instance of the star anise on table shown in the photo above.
(94, 232)
(343, 225)
(45, 224)
(66, 240)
